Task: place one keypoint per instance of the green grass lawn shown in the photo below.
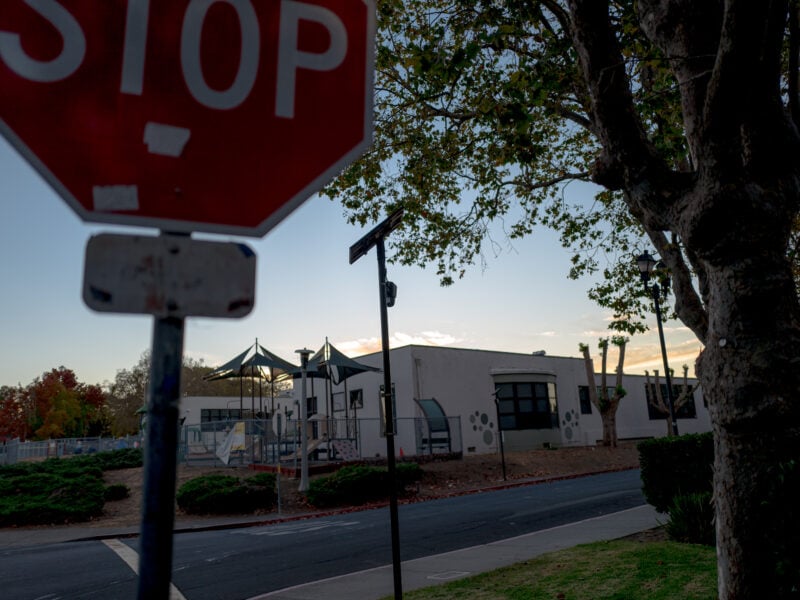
(617, 570)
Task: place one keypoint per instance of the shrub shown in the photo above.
(225, 494)
(354, 484)
(75, 466)
(266, 480)
(116, 491)
(673, 466)
(691, 519)
(63, 467)
(61, 490)
(124, 458)
(46, 498)
(71, 468)
(408, 472)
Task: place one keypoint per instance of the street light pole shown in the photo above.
(387, 293)
(500, 434)
(647, 264)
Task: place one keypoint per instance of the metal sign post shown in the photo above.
(160, 456)
(376, 238)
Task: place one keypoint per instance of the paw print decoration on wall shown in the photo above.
(570, 424)
(480, 422)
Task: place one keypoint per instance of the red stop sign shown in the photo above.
(187, 115)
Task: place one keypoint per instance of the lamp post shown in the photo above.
(647, 264)
(304, 354)
(500, 433)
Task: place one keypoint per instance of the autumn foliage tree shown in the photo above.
(606, 400)
(55, 405)
(13, 418)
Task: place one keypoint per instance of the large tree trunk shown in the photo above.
(732, 216)
(750, 372)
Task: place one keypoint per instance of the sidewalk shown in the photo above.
(440, 568)
(379, 582)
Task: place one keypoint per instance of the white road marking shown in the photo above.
(131, 558)
(294, 528)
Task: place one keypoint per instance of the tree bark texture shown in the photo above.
(732, 214)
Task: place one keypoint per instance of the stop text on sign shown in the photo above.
(289, 58)
(193, 115)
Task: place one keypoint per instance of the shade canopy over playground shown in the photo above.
(256, 362)
(329, 362)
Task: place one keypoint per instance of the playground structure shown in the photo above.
(329, 440)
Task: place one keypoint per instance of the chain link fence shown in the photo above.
(239, 442)
(14, 451)
(256, 441)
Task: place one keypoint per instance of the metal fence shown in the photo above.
(15, 451)
(256, 442)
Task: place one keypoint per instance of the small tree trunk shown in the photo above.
(610, 428)
(607, 407)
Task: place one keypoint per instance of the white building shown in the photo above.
(445, 400)
(542, 400)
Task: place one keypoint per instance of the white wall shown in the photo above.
(463, 382)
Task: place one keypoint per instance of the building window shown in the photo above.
(217, 419)
(356, 399)
(687, 411)
(382, 409)
(586, 402)
(529, 405)
(311, 406)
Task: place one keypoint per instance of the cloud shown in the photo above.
(649, 358)
(369, 345)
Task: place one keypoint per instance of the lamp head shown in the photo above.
(663, 276)
(304, 354)
(646, 264)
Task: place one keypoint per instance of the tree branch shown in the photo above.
(749, 51)
(628, 160)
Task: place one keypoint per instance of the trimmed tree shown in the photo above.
(655, 397)
(604, 400)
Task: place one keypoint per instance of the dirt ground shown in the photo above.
(441, 477)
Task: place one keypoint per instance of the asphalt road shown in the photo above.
(241, 563)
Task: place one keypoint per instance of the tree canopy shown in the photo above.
(482, 120)
(128, 391)
(54, 405)
(685, 114)
(484, 126)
